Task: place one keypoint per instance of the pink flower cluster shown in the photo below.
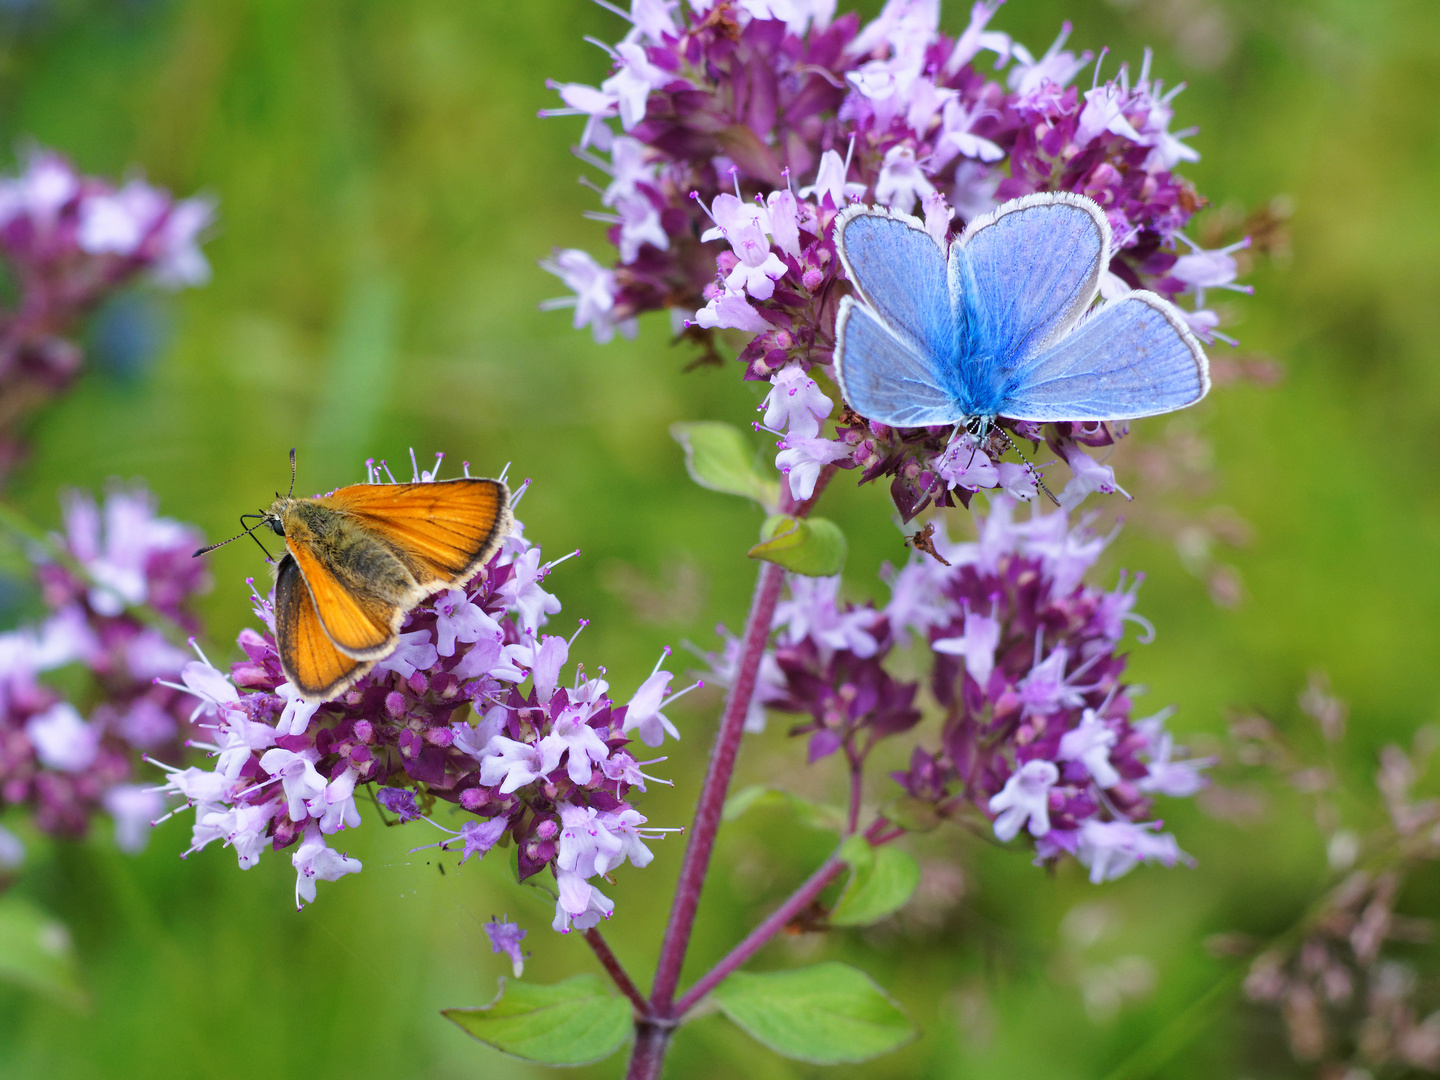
(79, 235)
(70, 241)
(1038, 731)
(59, 763)
(470, 709)
(746, 126)
(1022, 657)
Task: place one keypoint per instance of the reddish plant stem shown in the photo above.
(654, 1028)
(613, 968)
(652, 1039)
(799, 900)
(879, 832)
(857, 768)
(878, 836)
(712, 793)
(856, 779)
(722, 764)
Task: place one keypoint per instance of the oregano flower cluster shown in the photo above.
(1036, 736)
(745, 127)
(471, 711)
(70, 242)
(119, 586)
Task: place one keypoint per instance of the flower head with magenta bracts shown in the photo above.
(472, 709)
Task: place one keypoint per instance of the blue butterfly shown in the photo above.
(997, 326)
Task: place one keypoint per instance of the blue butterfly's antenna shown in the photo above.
(973, 426)
(1034, 472)
(980, 427)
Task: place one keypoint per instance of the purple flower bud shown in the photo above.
(505, 937)
(399, 802)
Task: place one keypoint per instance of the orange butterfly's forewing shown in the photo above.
(310, 660)
(447, 528)
(360, 625)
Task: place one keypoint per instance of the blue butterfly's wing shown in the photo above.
(933, 341)
(1133, 357)
(899, 271)
(1034, 267)
(882, 374)
(894, 351)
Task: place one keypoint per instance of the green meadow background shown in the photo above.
(385, 189)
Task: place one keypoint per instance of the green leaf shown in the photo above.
(826, 1014)
(812, 546)
(573, 1022)
(36, 951)
(719, 457)
(881, 881)
(815, 815)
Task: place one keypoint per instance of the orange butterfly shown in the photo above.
(360, 558)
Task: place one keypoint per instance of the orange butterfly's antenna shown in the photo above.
(250, 532)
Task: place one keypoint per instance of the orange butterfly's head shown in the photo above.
(283, 506)
(274, 517)
(279, 512)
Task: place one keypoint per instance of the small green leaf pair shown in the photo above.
(812, 546)
(719, 457)
(882, 880)
(573, 1022)
(825, 1014)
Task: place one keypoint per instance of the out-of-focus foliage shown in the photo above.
(384, 190)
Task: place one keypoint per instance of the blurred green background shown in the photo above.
(385, 190)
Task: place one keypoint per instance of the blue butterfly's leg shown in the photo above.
(967, 427)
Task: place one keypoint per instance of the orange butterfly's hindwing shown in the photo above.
(310, 660)
(444, 531)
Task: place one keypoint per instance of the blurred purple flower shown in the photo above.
(505, 937)
(71, 241)
(115, 578)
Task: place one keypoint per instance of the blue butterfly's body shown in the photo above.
(996, 325)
